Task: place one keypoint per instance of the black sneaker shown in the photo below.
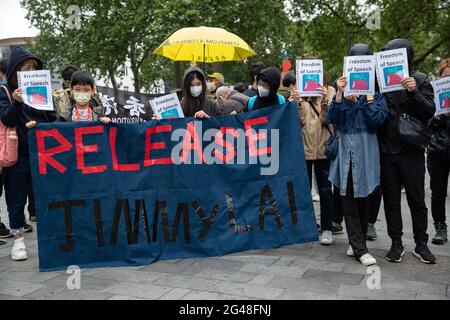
(396, 252)
(319, 229)
(28, 227)
(441, 233)
(4, 232)
(424, 254)
(337, 228)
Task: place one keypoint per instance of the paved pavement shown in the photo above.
(303, 271)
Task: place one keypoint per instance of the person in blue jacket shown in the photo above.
(356, 169)
(17, 179)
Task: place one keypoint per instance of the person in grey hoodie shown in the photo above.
(195, 103)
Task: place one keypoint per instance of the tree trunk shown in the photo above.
(112, 78)
(137, 80)
(178, 79)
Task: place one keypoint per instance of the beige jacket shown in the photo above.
(314, 128)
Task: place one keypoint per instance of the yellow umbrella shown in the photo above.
(204, 44)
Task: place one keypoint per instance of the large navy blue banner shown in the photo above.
(131, 194)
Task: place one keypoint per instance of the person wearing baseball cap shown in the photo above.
(215, 81)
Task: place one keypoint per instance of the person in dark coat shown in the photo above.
(404, 164)
(269, 81)
(438, 163)
(16, 113)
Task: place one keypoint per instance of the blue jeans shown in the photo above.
(322, 171)
(17, 183)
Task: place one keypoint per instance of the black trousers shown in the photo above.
(322, 171)
(439, 170)
(374, 206)
(18, 188)
(356, 211)
(408, 169)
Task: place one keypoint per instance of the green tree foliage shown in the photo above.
(115, 31)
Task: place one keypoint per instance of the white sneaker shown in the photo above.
(350, 252)
(327, 238)
(316, 198)
(367, 260)
(19, 251)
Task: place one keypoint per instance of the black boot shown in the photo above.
(441, 233)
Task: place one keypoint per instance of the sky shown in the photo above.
(12, 21)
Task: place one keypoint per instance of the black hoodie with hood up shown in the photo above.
(273, 77)
(419, 103)
(17, 114)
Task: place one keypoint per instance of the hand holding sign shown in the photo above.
(409, 84)
(17, 95)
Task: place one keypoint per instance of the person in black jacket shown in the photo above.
(255, 69)
(404, 164)
(195, 103)
(438, 163)
(17, 179)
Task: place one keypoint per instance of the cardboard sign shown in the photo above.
(360, 73)
(392, 68)
(36, 89)
(167, 107)
(309, 77)
(442, 95)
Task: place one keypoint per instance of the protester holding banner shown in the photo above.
(356, 171)
(268, 84)
(82, 87)
(403, 163)
(195, 103)
(438, 163)
(61, 96)
(315, 134)
(18, 177)
(255, 70)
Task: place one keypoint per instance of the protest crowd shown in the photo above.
(354, 145)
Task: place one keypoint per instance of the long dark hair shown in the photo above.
(190, 104)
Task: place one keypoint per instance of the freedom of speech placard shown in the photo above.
(442, 95)
(392, 68)
(36, 89)
(309, 77)
(360, 73)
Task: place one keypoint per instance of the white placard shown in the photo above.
(360, 73)
(392, 68)
(167, 107)
(442, 95)
(309, 77)
(36, 89)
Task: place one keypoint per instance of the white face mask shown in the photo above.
(211, 86)
(196, 91)
(263, 92)
(82, 98)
